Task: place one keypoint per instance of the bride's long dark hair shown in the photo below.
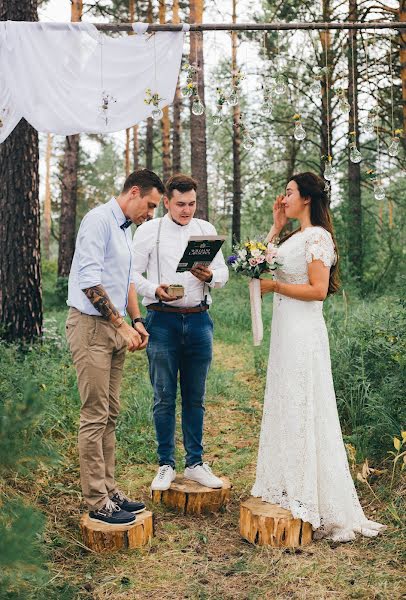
(312, 186)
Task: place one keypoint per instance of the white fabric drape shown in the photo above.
(55, 75)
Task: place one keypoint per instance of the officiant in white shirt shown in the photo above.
(181, 329)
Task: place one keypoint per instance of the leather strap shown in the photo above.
(177, 309)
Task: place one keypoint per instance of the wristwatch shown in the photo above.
(137, 320)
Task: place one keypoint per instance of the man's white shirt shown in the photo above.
(103, 256)
(172, 243)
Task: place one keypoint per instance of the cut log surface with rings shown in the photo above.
(101, 537)
(189, 497)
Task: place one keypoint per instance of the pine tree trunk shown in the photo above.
(67, 225)
(47, 197)
(237, 192)
(165, 123)
(402, 40)
(198, 143)
(325, 39)
(177, 110)
(354, 223)
(20, 271)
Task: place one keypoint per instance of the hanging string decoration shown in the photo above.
(355, 154)
(233, 98)
(394, 147)
(300, 132)
(190, 87)
(221, 101)
(267, 106)
(278, 83)
(154, 99)
(329, 173)
(106, 98)
(246, 138)
(343, 103)
(316, 85)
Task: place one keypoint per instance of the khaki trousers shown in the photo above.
(98, 353)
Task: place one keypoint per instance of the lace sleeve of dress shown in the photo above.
(320, 246)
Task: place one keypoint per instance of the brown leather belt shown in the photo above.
(177, 309)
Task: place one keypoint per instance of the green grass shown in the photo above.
(201, 557)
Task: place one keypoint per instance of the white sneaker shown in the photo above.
(203, 475)
(163, 479)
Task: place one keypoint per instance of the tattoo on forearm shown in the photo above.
(100, 300)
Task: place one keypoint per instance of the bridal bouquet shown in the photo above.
(252, 258)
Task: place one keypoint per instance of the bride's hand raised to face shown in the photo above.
(279, 217)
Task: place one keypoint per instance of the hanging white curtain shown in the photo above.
(58, 76)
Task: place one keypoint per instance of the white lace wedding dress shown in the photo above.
(302, 462)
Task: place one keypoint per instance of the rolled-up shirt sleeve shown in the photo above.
(93, 237)
(143, 243)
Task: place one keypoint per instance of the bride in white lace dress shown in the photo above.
(302, 463)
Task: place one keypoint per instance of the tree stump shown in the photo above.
(270, 525)
(189, 497)
(101, 537)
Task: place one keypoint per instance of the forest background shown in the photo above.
(60, 179)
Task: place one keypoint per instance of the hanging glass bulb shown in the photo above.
(187, 91)
(355, 154)
(393, 149)
(379, 192)
(329, 172)
(197, 107)
(344, 105)
(267, 109)
(248, 142)
(299, 133)
(368, 126)
(157, 113)
(315, 87)
(279, 86)
(233, 98)
(218, 117)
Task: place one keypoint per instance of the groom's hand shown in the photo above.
(139, 327)
(202, 273)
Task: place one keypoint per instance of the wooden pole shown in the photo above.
(250, 26)
(237, 192)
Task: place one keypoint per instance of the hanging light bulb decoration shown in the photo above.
(315, 86)
(104, 108)
(246, 138)
(233, 97)
(379, 191)
(394, 147)
(299, 133)
(267, 106)
(221, 100)
(279, 84)
(355, 154)
(329, 172)
(189, 89)
(197, 106)
(343, 103)
(154, 99)
(370, 122)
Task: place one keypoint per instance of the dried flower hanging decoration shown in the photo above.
(190, 87)
(329, 172)
(106, 99)
(221, 100)
(233, 97)
(394, 146)
(299, 133)
(246, 138)
(154, 99)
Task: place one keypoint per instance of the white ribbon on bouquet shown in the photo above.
(256, 311)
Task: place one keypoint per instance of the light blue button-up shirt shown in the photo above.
(103, 256)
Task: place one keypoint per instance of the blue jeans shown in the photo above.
(179, 343)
